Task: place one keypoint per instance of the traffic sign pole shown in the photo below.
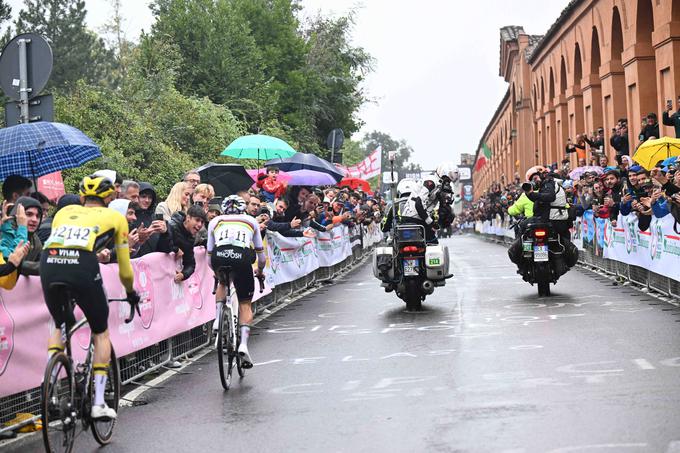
(24, 89)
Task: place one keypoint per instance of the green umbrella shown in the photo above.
(258, 147)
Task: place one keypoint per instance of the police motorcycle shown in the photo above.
(544, 256)
(408, 264)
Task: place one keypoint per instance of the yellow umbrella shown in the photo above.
(653, 151)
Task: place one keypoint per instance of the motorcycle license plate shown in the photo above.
(410, 268)
(540, 253)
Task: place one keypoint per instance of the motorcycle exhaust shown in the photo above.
(428, 287)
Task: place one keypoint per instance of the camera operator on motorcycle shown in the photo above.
(434, 192)
(549, 206)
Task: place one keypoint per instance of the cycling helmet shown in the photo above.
(533, 170)
(96, 186)
(233, 204)
(406, 186)
(448, 169)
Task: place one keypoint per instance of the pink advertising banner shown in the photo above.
(167, 309)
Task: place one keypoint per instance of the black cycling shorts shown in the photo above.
(80, 270)
(241, 262)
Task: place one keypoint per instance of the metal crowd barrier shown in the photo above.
(152, 359)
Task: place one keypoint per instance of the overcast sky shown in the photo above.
(436, 80)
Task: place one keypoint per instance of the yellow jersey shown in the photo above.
(93, 229)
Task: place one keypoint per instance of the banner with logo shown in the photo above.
(656, 249)
(167, 309)
(333, 247)
(290, 258)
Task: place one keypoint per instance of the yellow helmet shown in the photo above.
(96, 186)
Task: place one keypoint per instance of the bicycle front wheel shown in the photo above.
(225, 347)
(58, 411)
(102, 430)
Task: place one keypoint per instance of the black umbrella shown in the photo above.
(303, 161)
(226, 179)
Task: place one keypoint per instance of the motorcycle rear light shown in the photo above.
(412, 249)
(540, 233)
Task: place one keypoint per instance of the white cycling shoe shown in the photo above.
(246, 361)
(102, 412)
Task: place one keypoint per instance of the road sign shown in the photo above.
(38, 65)
(335, 139)
(41, 109)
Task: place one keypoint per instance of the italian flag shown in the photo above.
(483, 157)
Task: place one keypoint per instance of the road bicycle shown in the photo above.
(67, 392)
(228, 333)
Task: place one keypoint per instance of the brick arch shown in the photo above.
(675, 11)
(542, 92)
(563, 76)
(551, 85)
(578, 65)
(595, 48)
(644, 21)
(616, 43)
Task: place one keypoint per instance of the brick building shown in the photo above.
(600, 61)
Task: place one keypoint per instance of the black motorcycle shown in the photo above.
(542, 256)
(410, 267)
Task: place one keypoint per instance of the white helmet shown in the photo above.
(448, 169)
(233, 204)
(406, 186)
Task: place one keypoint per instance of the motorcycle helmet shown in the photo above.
(449, 170)
(233, 204)
(533, 170)
(405, 187)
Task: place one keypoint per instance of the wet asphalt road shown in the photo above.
(488, 367)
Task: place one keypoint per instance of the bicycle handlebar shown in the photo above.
(133, 308)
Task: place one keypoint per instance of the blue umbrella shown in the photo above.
(303, 161)
(41, 148)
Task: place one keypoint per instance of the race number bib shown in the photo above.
(71, 236)
(231, 235)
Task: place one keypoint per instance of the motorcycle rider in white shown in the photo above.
(424, 200)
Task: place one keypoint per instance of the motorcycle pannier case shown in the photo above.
(436, 262)
(382, 263)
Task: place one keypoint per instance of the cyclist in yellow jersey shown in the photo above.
(70, 257)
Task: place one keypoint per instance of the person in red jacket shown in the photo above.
(270, 187)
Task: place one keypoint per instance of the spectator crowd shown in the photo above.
(178, 222)
(607, 188)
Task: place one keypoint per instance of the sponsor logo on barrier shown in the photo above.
(671, 245)
(145, 290)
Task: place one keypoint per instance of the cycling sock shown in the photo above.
(53, 349)
(245, 333)
(101, 371)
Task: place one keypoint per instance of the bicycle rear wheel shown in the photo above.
(225, 347)
(58, 412)
(102, 430)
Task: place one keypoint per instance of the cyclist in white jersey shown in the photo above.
(229, 245)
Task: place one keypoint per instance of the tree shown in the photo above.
(221, 60)
(121, 47)
(78, 52)
(335, 70)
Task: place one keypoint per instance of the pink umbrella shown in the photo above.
(577, 172)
